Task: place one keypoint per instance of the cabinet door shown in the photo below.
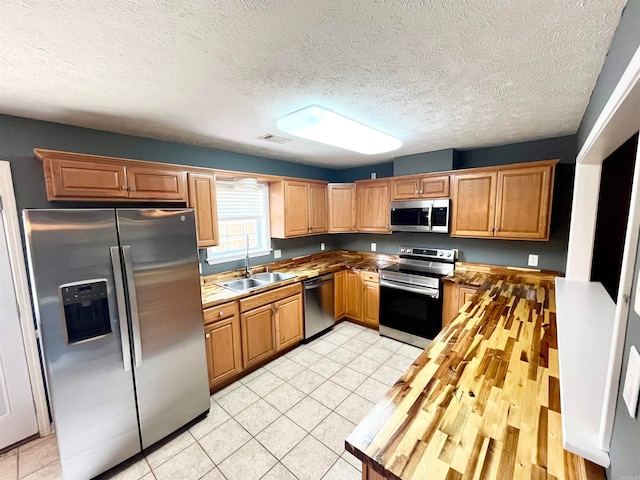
(464, 295)
(84, 180)
(258, 335)
(450, 302)
(296, 208)
(224, 356)
(353, 294)
(523, 204)
(342, 207)
(473, 210)
(373, 207)
(370, 303)
(289, 326)
(156, 184)
(435, 187)
(405, 189)
(202, 198)
(339, 294)
(318, 208)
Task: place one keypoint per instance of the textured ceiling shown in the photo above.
(434, 73)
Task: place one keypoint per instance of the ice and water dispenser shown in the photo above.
(86, 310)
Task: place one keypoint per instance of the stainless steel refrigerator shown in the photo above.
(117, 299)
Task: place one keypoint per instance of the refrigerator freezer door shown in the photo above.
(91, 391)
(163, 282)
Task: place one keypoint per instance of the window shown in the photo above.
(243, 214)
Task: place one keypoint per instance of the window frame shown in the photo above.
(214, 258)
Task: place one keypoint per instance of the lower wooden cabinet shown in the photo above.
(289, 321)
(362, 296)
(270, 322)
(258, 335)
(223, 344)
(353, 295)
(370, 303)
(340, 308)
(454, 298)
(370, 474)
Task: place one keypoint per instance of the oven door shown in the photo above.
(411, 310)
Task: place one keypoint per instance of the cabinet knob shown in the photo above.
(220, 313)
(208, 335)
(123, 187)
(417, 192)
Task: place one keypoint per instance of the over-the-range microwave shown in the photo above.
(420, 216)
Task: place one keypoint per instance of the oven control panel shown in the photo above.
(433, 253)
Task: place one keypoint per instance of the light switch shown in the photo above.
(277, 253)
(322, 246)
(373, 247)
(632, 382)
(533, 260)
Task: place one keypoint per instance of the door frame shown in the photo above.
(617, 122)
(9, 213)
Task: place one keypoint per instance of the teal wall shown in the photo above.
(19, 136)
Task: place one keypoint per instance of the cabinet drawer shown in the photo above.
(261, 299)
(220, 312)
(370, 277)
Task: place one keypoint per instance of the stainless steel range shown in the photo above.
(411, 294)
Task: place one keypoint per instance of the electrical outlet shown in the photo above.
(374, 175)
(322, 246)
(373, 247)
(277, 253)
(632, 382)
(533, 260)
(200, 268)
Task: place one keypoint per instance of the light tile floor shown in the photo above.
(287, 420)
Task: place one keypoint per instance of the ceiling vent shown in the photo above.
(275, 138)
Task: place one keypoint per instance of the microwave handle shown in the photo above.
(429, 217)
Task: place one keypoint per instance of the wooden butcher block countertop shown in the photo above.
(483, 400)
(302, 267)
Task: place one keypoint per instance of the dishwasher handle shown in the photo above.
(318, 282)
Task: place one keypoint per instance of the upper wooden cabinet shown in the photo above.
(202, 198)
(71, 176)
(523, 207)
(318, 208)
(373, 206)
(297, 208)
(473, 204)
(342, 207)
(510, 202)
(409, 188)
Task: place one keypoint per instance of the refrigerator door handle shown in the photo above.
(133, 304)
(122, 307)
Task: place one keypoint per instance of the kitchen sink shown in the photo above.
(257, 281)
(244, 284)
(272, 277)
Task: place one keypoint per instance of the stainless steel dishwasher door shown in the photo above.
(318, 305)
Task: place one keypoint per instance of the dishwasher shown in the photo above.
(318, 305)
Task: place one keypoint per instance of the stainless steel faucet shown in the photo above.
(247, 268)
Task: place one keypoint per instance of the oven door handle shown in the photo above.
(430, 222)
(433, 293)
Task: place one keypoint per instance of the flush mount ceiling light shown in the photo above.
(320, 125)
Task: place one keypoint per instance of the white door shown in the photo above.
(17, 410)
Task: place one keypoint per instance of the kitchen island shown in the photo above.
(483, 400)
